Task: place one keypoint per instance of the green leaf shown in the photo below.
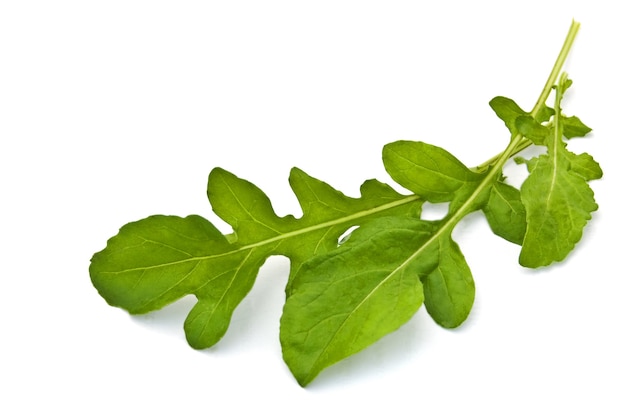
(245, 207)
(155, 261)
(330, 295)
(449, 288)
(531, 129)
(508, 111)
(345, 300)
(429, 171)
(544, 114)
(556, 195)
(584, 165)
(505, 213)
(558, 204)
(539, 134)
(573, 127)
(158, 260)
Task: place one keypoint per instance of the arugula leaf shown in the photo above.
(530, 128)
(429, 171)
(573, 127)
(344, 301)
(449, 287)
(508, 111)
(558, 203)
(381, 255)
(155, 261)
(505, 212)
(158, 260)
(556, 195)
(585, 166)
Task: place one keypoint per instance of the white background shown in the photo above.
(113, 111)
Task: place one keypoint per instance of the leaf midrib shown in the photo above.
(326, 224)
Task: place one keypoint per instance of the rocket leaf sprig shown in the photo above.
(344, 294)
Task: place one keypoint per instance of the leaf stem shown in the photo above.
(519, 143)
(558, 66)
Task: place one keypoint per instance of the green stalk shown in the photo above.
(558, 66)
(519, 142)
